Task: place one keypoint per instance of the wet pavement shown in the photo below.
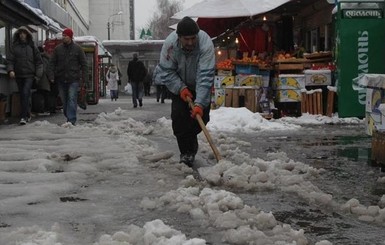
(342, 150)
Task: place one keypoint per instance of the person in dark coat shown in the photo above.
(24, 63)
(68, 68)
(136, 72)
(45, 89)
(187, 68)
(161, 89)
(148, 83)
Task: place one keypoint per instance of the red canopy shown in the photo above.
(217, 26)
(250, 37)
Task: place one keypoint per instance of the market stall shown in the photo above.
(260, 64)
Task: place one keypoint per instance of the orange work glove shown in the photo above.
(197, 110)
(184, 93)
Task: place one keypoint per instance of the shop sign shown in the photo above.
(362, 13)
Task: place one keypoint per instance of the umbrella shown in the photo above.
(229, 8)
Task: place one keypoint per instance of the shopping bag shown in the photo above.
(82, 98)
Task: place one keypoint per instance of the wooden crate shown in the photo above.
(378, 146)
(242, 97)
(312, 103)
(3, 106)
(15, 105)
(330, 103)
(287, 66)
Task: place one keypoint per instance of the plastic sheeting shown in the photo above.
(229, 8)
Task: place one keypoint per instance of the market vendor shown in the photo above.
(187, 67)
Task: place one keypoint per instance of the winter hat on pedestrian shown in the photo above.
(187, 27)
(68, 32)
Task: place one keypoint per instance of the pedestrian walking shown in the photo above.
(161, 89)
(187, 66)
(113, 80)
(24, 63)
(148, 83)
(119, 81)
(45, 97)
(68, 68)
(136, 72)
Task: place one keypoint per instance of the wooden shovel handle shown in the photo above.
(205, 131)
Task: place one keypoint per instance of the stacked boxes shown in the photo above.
(248, 80)
(318, 77)
(242, 90)
(265, 78)
(220, 83)
(289, 87)
(223, 81)
(219, 97)
(374, 116)
(246, 69)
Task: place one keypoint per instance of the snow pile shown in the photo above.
(309, 119)
(241, 119)
(368, 214)
(223, 210)
(152, 233)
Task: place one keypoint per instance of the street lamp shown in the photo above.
(109, 23)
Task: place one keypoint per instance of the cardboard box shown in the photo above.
(265, 78)
(219, 97)
(246, 69)
(289, 95)
(374, 97)
(372, 121)
(318, 77)
(224, 81)
(225, 72)
(290, 81)
(248, 80)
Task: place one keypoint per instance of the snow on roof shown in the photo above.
(50, 22)
(92, 39)
(131, 42)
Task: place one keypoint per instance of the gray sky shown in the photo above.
(145, 9)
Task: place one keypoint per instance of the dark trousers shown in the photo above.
(186, 128)
(161, 92)
(24, 86)
(137, 92)
(147, 88)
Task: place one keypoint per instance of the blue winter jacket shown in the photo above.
(195, 69)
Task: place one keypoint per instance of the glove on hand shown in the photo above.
(184, 93)
(197, 110)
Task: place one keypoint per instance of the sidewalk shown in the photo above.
(151, 111)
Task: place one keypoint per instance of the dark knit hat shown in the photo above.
(187, 27)
(68, 32)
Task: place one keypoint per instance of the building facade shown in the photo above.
(113, 19)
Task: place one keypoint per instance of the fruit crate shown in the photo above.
(246, 68)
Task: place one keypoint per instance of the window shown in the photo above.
(2, 42)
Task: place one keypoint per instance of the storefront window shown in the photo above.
(2, 43)
(314, 34)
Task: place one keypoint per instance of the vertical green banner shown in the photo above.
(360, 40)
